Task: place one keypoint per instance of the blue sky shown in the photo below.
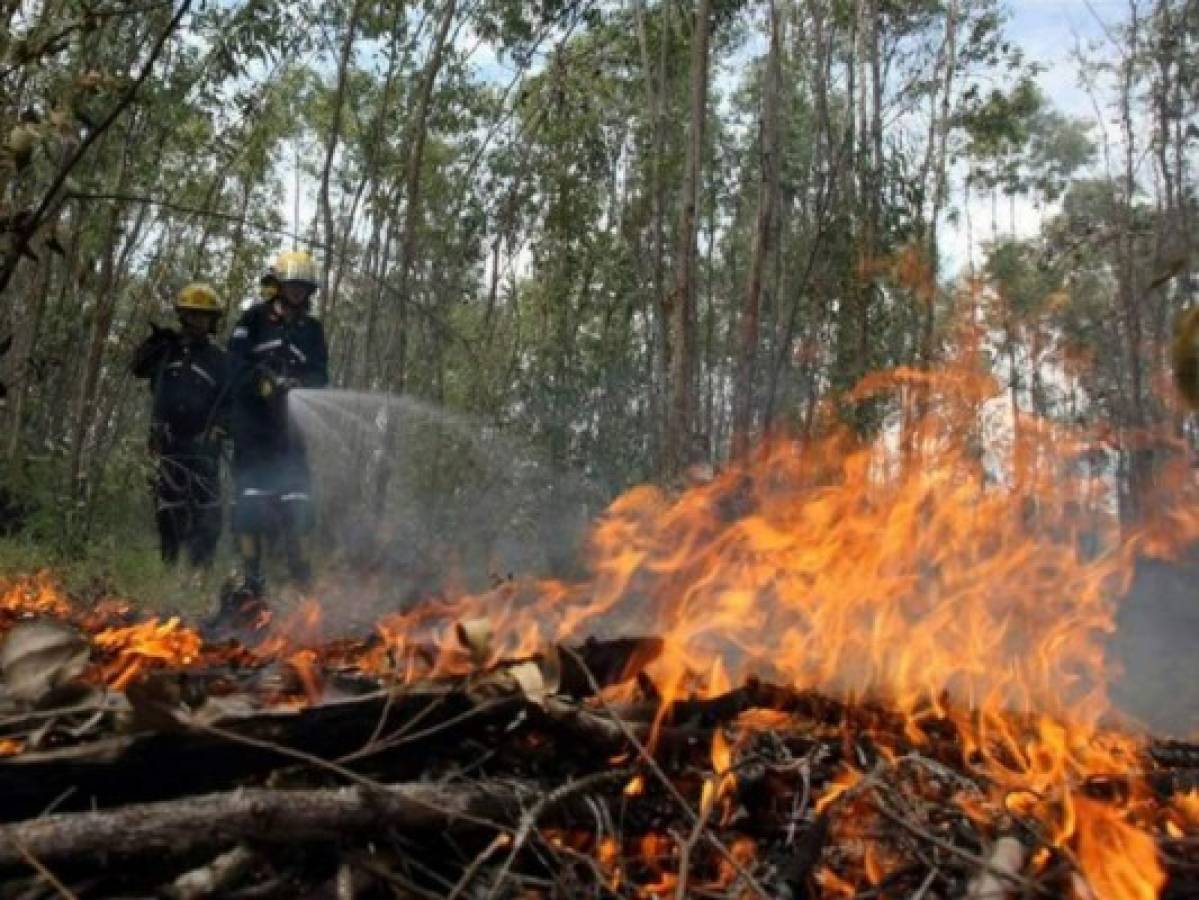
(1050, 32)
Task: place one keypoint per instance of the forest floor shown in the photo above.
(129, 568)
(1153, 646)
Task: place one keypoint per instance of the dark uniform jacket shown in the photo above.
(190, 381)
(265, 345)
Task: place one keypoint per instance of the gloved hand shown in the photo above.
(267, 385)
(271, 385)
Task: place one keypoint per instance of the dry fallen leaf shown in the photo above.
(475, 636)
(40, 655)
(529, 679)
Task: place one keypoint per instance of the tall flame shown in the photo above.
(957, 569)
(961, 568)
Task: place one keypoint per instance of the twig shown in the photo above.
(666, 782)
(58, 801)
(411, 723)
(388, 702)
(697, 830)
(391, 742)
(500, 840)
(213, 877)
(984, 864)
(926, 885)
(320, 763)
(601, 877)
(38, 715)
(36, 865)
(291, 752)
(385, 873)
(529, 820)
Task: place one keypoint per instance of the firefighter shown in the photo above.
(189, 379)
(275, 347)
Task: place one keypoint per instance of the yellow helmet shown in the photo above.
(199, 296)
(295, 265)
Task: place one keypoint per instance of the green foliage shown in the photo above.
(998, 127)
(531, 284)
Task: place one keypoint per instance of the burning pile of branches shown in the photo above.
(281, 771)
(865, 671)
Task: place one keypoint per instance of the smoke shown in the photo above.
(414, 500)
(1156, 648)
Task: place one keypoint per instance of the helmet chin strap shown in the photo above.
(288, 309)
(295, 301)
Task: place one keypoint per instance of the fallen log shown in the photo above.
(265, 816)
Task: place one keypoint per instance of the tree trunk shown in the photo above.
(655, 95)
(24, 340)
(681, 310)
(409, 236)
(1140, 468)
(339, 91)
(396, 362)
(939, 172)
(763, 233)
(106, 298)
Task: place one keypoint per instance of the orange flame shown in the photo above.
(1118, 858)
(37, 594)
(958, 569)
(148, 643)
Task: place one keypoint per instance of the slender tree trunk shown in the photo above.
(763, 233)
(25, 338)
(1140, 468)
(339, 92)
(105, 306)
(655, 95)
(680, 415)
(396, 363)
(413, 201)
(940, 173)
(712, 372)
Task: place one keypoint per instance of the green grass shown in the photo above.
(122, 565)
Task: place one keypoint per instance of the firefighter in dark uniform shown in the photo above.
(189, 378)
(276, 346)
